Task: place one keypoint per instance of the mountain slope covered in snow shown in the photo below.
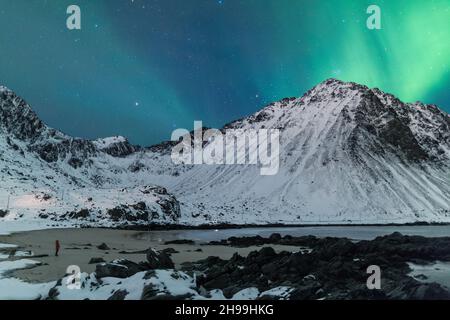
(348, 154)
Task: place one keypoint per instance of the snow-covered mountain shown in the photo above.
(348, 154)
(47, 175)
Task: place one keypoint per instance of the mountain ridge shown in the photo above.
(349, 154)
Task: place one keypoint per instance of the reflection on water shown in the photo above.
(352, 232)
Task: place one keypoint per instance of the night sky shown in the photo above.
(145, 67)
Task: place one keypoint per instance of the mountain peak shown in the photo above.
(4, 89)
(337, 83)
(17, 117)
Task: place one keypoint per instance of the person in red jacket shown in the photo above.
(57, 247)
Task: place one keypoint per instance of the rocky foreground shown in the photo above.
(323, 268)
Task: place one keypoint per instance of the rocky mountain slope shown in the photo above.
(348, 154)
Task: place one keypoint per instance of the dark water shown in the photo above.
(435, 272)
(352, 232)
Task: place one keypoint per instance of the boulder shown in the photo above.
(96, 260)
(119, 295)
(182, 241)
(275, 237)
(159, 260)
(118, 269)
(170, 251)
(82, 214)
(430, 291)
(103, 246)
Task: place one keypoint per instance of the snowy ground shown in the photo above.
(15, 289)
(167, 282)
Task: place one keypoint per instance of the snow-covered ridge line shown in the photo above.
(19, 120)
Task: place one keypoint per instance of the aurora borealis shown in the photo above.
(141, 68)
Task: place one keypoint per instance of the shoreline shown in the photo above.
(203, 227)
(80, 245)
(309, 267)
(225, 226)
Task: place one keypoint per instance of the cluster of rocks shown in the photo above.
(122, 269)
(157, 206)
(333, 268)
(276, 238)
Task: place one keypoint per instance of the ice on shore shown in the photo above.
(15, 289)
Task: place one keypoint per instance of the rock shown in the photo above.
(263, 256)
(170, 251)
(149, 292)
(167, 297)
(229, 292)
(170, 206)
(75, 162)
(140, 206)
(53, 294)
(133, 252)
(421, 277)
(430, 291)
(118, 269)
(267, 252)
(120, 148)
(307, 291)
(221, 282)
(3, 213)
(117, 213)
(119, 295)
(271, 270)
(96, 260)
(82, 214)
(159, 260)
(111, 270)
(103, 246)
(275, 237)
(183, 241)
